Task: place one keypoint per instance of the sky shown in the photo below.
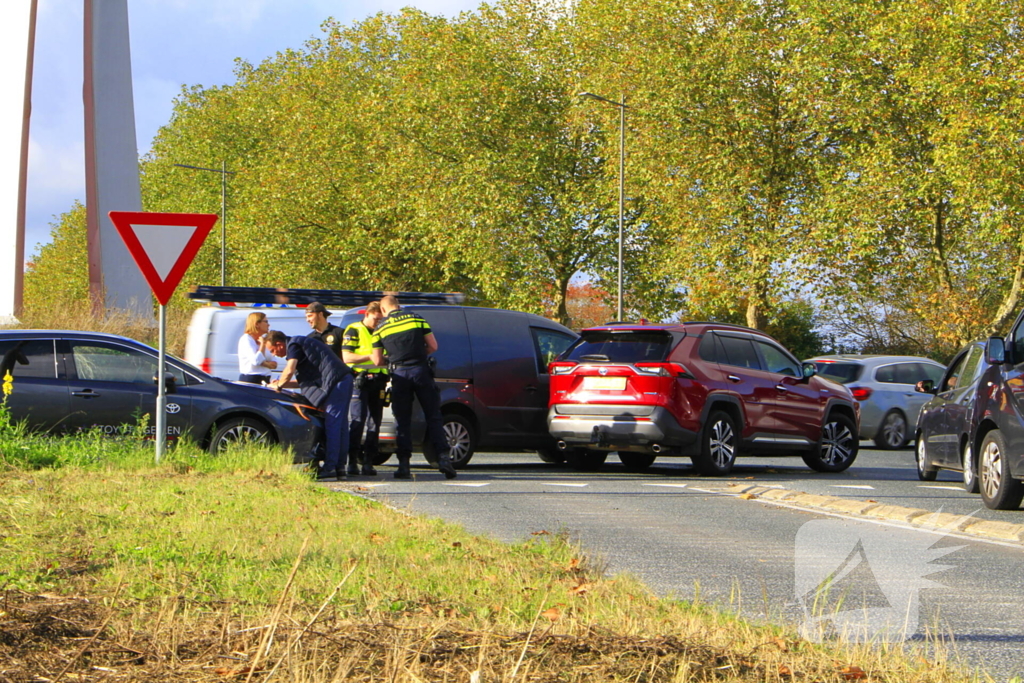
(174, 43)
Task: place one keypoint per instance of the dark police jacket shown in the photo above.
(318, 368)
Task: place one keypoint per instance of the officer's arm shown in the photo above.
(431, 343)
(377, 356)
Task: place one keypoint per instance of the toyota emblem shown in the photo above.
(173, 408)
(603, 371)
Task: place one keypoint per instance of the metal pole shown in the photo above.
(223, 221)
(161, 396)
(622, 192)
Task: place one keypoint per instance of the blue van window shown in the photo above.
(549, 345)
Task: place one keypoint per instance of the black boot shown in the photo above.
(368, 465)
(403, 471)
(353, 464)
(444, 465)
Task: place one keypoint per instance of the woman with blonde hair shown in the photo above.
(254, 359)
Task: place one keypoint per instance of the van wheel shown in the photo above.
(636, 462)
(461, 441)
(838, 446)
(719, 444)
(892, 433)
(551, 455)
(584, 459)
(999, 490)
(240, 430)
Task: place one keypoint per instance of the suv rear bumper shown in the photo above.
(617, 425)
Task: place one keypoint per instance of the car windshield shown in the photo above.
(844, 373)
(622, 347)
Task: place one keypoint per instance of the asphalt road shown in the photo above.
(686, 538)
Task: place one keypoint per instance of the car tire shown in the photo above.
(461, 437)
(838, 446)
(719, 445)
(585, 459)
(636, 462)
(552, 456)
(970, 469)
(382, 458)
(238, 429)
(999, 490)
(925, 472)
(892, 432)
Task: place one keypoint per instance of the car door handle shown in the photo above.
(780, 387)
(734, 378)
(85, 393)
(530, 389)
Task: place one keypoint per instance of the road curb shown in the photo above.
(924, 519)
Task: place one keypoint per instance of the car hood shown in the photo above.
(260, 391)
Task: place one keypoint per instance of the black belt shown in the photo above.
(408, 364)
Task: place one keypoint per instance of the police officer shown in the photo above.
(325, 382)
(367, 391)
(316, 316)
(407, 340)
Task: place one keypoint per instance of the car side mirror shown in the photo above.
(809, 370)
(995, 351)
(925, 386)
(170, 385)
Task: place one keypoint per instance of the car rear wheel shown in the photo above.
(999, 490)
(552, 456)
(892, 433)
(838, 446)
(925, 472)
(585, 459)
(719, 444)
(461, 439)
(381, 458)
(636, 462)
(240, 430)
(970, 469)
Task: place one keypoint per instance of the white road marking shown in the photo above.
(558, 483)
(670, 486)
(373, 486)
(852, 486)
(474, 484)
(942, 488)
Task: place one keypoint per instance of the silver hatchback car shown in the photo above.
(885, 388)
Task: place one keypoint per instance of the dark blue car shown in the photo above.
(67, 381)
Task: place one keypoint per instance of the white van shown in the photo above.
(213, 333)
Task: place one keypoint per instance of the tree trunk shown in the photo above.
(558, 299)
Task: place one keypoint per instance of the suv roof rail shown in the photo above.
(300, 298)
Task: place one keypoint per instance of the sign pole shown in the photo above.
(161, 386)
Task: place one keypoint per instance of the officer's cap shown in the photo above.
(317, 307)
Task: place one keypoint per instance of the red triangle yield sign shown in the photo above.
(163, 244)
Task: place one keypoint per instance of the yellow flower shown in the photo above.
(8, 384)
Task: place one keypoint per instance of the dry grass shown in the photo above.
(75, 316)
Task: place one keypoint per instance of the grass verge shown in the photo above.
(239, 568)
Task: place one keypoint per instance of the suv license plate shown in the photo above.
(604, 383)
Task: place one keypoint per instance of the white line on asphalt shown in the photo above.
(373, 486)
(852, 486)
(671, 486)
(942, 488)
(474, 484)
(558, 483)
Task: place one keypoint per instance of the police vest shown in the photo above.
(359, 340)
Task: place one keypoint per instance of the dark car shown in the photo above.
(67, 381)
(709, 391)
(492, 372)
(948, 422)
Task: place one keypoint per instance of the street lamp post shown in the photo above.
(622, 182)
(224, 173)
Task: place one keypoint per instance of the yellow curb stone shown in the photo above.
(742, 488)
(778, 494)
(944, 521)
(810, 499)
(856, 507)
(895, 512)
(1003, 531)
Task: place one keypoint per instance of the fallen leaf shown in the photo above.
(748, 477)
(785, 670)
(376, 538)
(542, 532)
(581, 588)
(552, 613)
(574, 564)
(852, 673)
(747, 496)
(872, 501)
(457, 544)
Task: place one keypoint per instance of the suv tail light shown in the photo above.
(206, 366)
(861, 393)
(663, 369)
(561, 367)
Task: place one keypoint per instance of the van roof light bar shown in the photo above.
(300, 298)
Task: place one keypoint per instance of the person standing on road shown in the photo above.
(367, 405)
(316, 316)
(254, 361)
(326, 382)
(408, 341)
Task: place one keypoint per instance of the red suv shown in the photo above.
(709, 391)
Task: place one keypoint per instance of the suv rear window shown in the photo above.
(844, 373)
(622, 347)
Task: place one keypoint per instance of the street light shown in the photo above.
(224, 173)
(622, 180)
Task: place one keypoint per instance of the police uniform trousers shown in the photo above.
(417, 381)
(366, 410)
(335, 406)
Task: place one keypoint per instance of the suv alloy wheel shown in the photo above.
(838, 447)
(718, 445)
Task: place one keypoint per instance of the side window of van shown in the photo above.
(549, 345)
